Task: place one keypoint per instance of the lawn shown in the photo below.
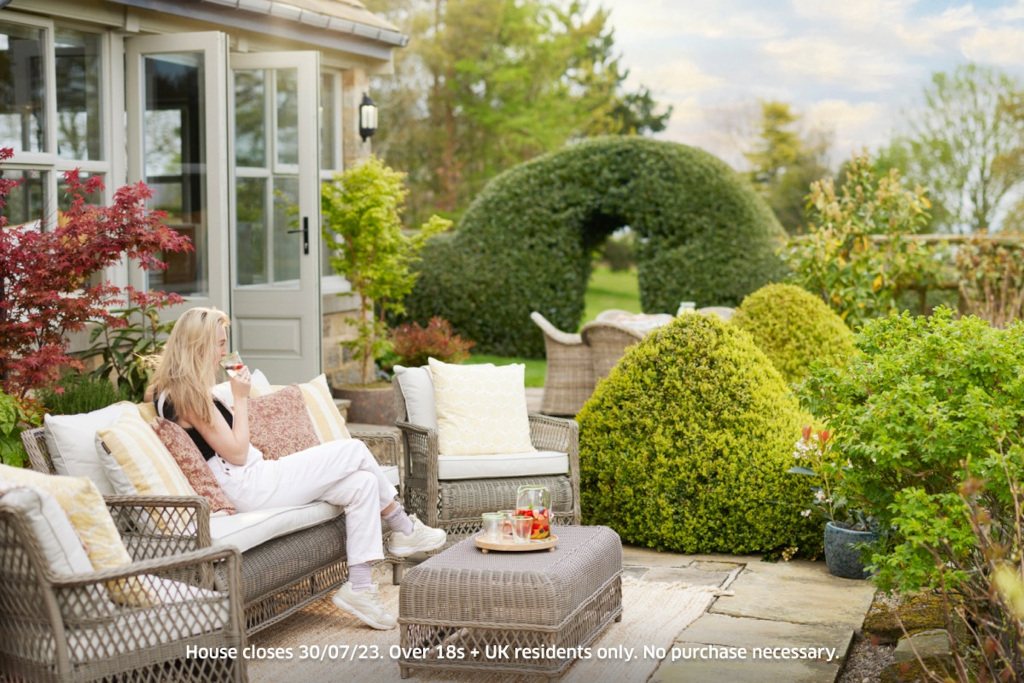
(605, 290)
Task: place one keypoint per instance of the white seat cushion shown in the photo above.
(246, 530)
(148, 628)
(535, 463)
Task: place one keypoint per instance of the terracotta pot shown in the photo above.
(841, 554)
(373, 405)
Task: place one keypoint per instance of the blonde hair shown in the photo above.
(189, 363)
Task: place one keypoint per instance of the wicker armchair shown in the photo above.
(456, 505)
(569, 378)
(723, 312)
(63, 627)
(607, 342)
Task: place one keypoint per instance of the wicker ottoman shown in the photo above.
(528, 613)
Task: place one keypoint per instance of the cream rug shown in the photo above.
(653, 614)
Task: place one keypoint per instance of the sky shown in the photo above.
(854, 68)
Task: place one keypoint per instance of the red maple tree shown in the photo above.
(46, 288)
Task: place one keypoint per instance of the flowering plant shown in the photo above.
(814, 451)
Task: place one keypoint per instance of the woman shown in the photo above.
(340, 472)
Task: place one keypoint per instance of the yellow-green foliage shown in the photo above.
(794, 328)
(686, 446)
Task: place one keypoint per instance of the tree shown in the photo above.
(363, 230)
(967, 147)
(785, 163)
(487, 84)
(45, 287)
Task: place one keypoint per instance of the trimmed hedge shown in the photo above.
(685, 446)
(526, 242)
(794, 328)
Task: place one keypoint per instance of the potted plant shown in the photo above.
(363, 230)
(847, 530)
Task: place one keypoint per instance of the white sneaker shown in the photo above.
(421, 540)
(365, 605)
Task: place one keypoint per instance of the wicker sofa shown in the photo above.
(290, 557)
(60, 625)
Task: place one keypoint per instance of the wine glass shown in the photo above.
(232, 363)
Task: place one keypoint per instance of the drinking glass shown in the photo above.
(522, 527)
(506, 524)
(492, 523)
(232, 363)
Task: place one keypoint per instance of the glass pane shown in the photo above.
(65, 198)
(286, 218)
(328, 120)
(251, 234)
(287, 96)
(175, 163)
(22, 88)
(79, 131)
(250, 108)
(27, 201)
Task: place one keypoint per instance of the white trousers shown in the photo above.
(341, 472)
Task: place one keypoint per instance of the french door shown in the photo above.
(275, 288)
(228, 144)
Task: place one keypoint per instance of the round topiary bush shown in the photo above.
(685, 446)
(794, 328)
(525, 244)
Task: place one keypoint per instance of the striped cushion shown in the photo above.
(137, 461)
(327, 420)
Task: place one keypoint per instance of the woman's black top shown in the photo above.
(193, 433)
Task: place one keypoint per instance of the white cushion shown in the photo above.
(246, 530)
(391, 474)
(418, 390)
(58, 540)
(206, 612)
(70, 441)
(223, 390)
(480, 409)
(536, 463)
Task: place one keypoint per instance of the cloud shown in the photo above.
(1002, 46)
(854, 125)
(678, 75)
(833, 63)
(855, 15)
(734, 19)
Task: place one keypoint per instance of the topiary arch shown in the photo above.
(526, 241)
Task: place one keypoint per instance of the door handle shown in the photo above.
(305, 234)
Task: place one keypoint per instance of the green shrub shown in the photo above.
(81, 393)
(525, 243)
(685, 446)
(16, 415)
(794, 328)
(619, 252)
(928, 404)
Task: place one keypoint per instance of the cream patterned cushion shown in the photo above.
(481, 410)
(84, 506)
(137, 461)
(327, 420)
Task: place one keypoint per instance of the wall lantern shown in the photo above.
(367, 117)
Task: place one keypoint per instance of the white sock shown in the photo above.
(398, 520)
(360, 575)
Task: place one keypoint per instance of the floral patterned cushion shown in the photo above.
(279, 423)
(193, 465)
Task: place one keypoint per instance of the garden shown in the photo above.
(870, 381)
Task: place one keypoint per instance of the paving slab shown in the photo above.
(746, 670)
(802, 593)
(830, 643)
(693, 576)
(645, 557)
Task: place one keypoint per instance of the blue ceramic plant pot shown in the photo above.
(841, 552)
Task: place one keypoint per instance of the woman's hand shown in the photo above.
(241, 382)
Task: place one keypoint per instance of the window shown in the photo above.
(51, 113)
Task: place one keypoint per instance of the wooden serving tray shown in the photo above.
(548, 543)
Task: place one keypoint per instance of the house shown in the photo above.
(230, 110)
